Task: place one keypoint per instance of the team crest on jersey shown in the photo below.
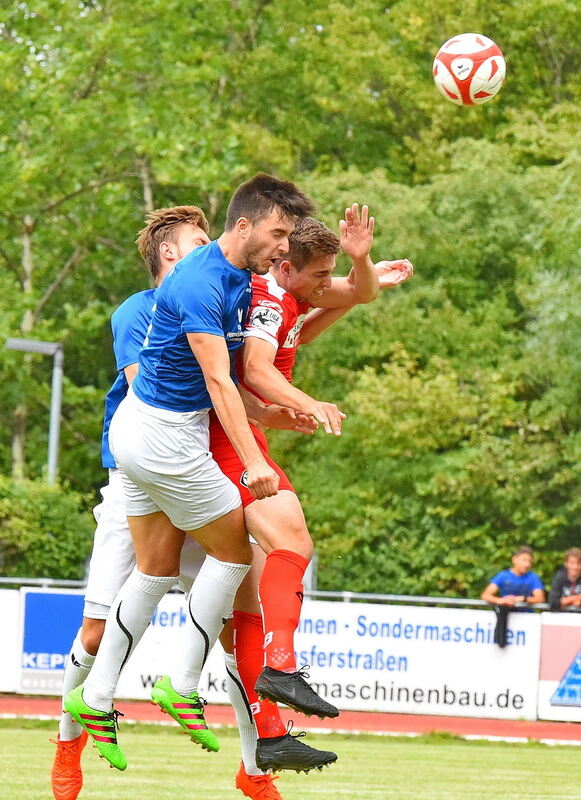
(262, 317)
(244, 479)
(293, 334)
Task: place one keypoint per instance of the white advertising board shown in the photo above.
(362, 656)
(421, 660)
(560, 671)
(381, 658)
(9, 628)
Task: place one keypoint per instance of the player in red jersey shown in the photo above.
(281, 300)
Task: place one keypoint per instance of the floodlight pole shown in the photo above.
(54, 349)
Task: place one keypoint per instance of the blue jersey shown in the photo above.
(129, 324)
(509, 583)
(204, 293)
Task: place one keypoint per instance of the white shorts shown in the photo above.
(166, 465)
(113, 557)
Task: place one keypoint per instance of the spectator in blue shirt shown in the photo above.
(519, 584)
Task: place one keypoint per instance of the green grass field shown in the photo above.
(164, 765)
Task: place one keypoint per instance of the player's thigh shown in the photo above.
(112, 557)
(158, 544)
(225, 538)
(278, 523)
(247, 595)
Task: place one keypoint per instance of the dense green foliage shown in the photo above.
(463, 387)
(43, 531)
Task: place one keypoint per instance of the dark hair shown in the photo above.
(162, 225)
(311, 239)
(523, 549)
(256, 198)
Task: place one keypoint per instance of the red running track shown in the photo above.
(349, 721)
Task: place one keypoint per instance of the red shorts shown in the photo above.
(227, 459)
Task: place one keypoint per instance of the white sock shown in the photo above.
(241, 706)
(77, 668)
(209, 604)
(128, 619)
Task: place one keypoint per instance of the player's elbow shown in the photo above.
(253, 373)
(373, 293)
(366, 295)
(218, 382)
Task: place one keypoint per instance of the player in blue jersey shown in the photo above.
(169, 235)
(159, 437)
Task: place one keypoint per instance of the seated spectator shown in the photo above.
(565, 594)
(519, 584)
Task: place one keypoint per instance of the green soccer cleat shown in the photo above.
(188, 712)
(100, 725)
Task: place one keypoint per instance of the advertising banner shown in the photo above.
(421, 660)
(50, 619)
(361, 656)
(9, 629)
(560, 671)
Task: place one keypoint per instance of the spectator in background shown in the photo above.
(565, 594)
(519, 584)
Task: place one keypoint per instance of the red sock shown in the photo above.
(281, 596)
(249, 652)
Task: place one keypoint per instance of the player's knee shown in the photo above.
(91, 634)
(296, 539)
(237, 551)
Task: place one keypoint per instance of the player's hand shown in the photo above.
(510, 600)
(356, 232)
(287, 419)
(328, 415)
(392, 273)
(262, 481)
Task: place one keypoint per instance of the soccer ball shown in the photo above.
(469, 69)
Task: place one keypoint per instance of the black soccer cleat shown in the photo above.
(286, 752)
(292, 689)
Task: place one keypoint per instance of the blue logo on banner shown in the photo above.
(51, 621)
(568, 692)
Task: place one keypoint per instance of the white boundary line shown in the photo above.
(470, 737)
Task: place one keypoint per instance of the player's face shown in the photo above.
(267, 241)
(188, 237)
(522, 563)
(310, 282)
(573, 567)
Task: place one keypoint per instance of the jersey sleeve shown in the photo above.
(129, 326)
(535, 582)
(265, 318)
(498, 579)
(200, 305)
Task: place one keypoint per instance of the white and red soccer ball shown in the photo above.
(469, 69)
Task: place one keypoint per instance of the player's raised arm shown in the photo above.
(389, 275)
(212, 355)
(356, 239)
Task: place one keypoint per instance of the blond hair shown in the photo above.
(162, 225)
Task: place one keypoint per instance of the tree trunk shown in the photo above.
(20, 413)
(146, 183)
